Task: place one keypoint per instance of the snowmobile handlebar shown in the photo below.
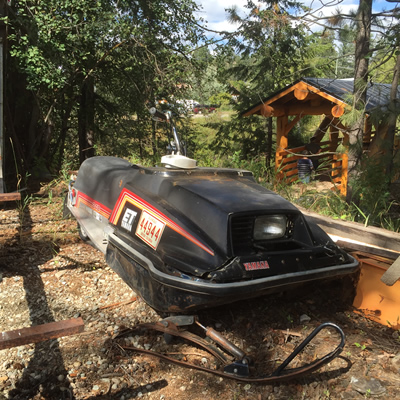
(166, 117)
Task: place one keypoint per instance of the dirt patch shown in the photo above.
(48, 274)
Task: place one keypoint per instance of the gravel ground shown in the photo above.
(48, 274)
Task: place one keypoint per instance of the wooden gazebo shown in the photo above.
(324, 97)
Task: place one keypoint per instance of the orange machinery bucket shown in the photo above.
(376, 300)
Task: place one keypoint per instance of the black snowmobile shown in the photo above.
(185, 237)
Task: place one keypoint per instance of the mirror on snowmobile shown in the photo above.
(158, 115)
(176, 159)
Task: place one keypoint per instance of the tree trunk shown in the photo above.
(393, 114)
(153, 137)
(363, 22)
(268, 157)
(86, 120)
(48, 130)
(34, 134)
(66, 109)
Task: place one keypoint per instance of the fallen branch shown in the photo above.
(121, 303)
(289, 333)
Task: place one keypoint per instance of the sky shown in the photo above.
(214, 10)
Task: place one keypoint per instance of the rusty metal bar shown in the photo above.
(10, 196)
(223, 342)
(40, 333)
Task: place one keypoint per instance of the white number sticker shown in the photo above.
(150, 229)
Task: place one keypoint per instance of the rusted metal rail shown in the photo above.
(237, 367)
(40, 333)
(9, 197)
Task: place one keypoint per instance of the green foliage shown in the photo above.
(144, 161)
(373, 200)
(126, 55)
(344, 65)
(200, 136)
(374, 205)
(255, 165)
(321, 57)
(267, 52)
(240, 134)
(221, 98)
(362, 347)
(272, 49)
(204, 83)
(95, 67)
(328, 203)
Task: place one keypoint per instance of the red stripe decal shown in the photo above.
(127, 196)
(93, 204)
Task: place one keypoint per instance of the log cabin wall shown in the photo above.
(331, 164)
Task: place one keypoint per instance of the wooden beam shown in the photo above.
(292, 123)
(302, 87)
(301, 91)
(333, 136)
(369, 235)
(9, 196)
(337, 111)
(339, 125)
(301, 109)
(322, 128)
(327, 96)
(361, 255)
(271, 111)
(365, 248)
(253, 111)
(40, 333)
(308, 109)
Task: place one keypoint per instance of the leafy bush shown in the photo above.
(329, 203)
(255, 165)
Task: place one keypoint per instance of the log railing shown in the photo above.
(331, 164)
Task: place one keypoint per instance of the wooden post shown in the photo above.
(345, 169)
(281, 141)
(367, 132)
(333, 136)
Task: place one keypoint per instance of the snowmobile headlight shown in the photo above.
(269, 227)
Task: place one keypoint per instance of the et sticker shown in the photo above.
(128, 219)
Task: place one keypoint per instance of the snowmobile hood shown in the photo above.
(228, 190)
(200, 200)
(204, 199)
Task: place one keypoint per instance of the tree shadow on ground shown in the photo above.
(40, 376)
